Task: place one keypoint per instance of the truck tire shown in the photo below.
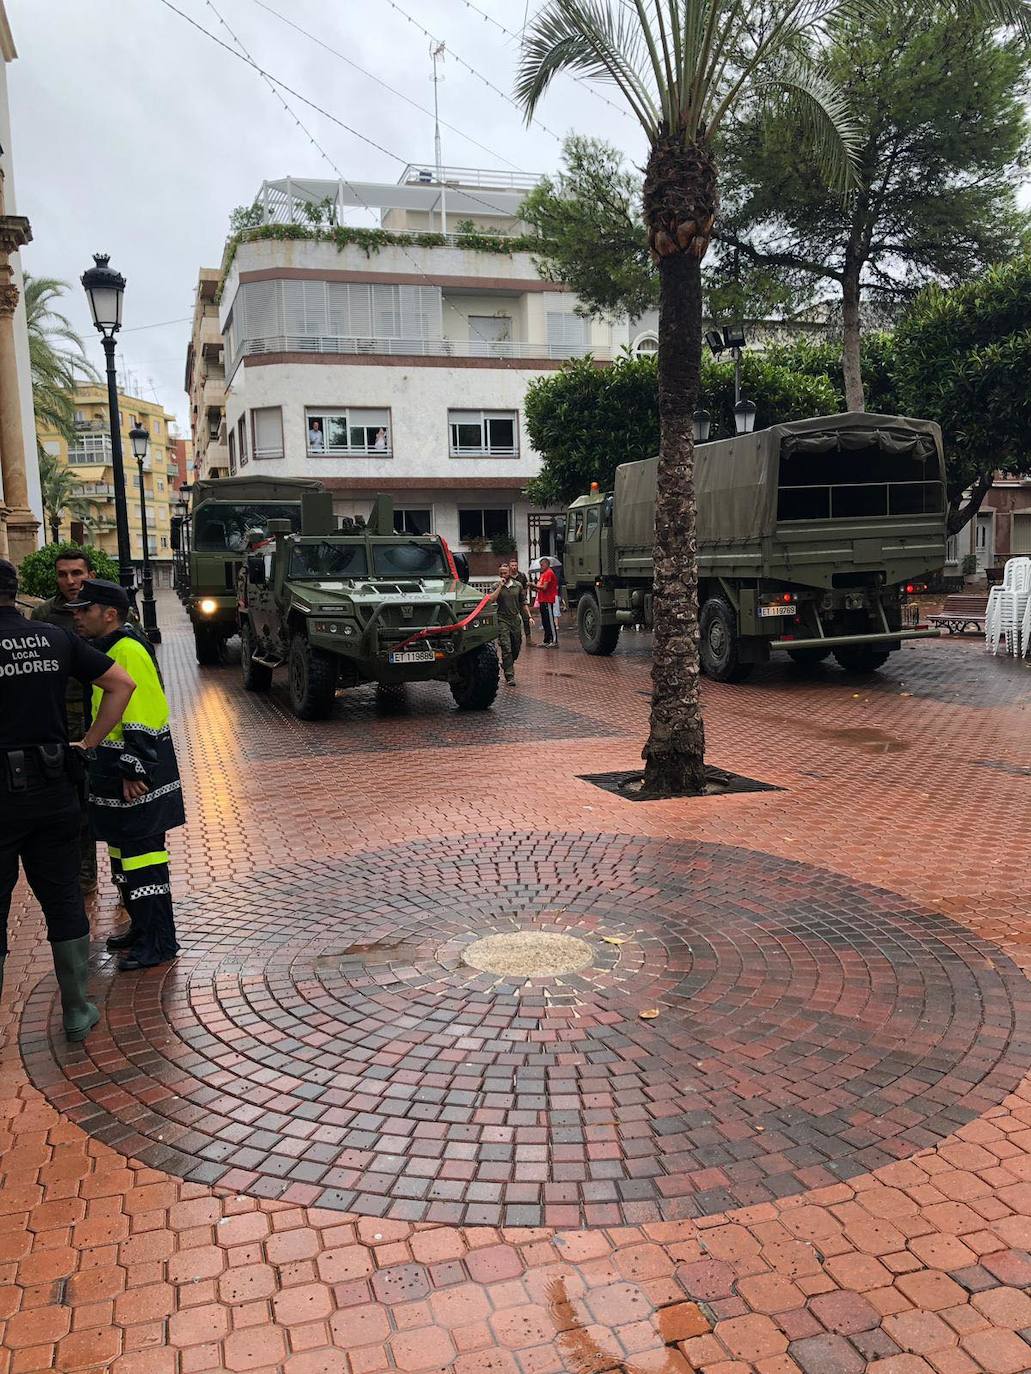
(207, 643)
(257, 677)
(313, 680)
(808, 658)
(477, 685)
(861, 658)
(719, 648)
(595, 637)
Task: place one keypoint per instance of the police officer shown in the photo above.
(135, 795)
(72, 567)
(39, 808)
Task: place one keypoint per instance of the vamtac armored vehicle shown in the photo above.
(341, 607)
(808, 533)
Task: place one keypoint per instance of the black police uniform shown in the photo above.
(39, 805)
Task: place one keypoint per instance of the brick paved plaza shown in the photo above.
(323, 1143)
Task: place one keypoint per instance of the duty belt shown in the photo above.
(46, 760)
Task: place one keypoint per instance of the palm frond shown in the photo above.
(824, 118)
(592, 39)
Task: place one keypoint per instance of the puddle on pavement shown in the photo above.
(866, 737)
(372, 952)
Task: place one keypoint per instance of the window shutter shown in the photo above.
(315, 325)
(567, 334)
(268, 432)
(359, 296)
(386, 311)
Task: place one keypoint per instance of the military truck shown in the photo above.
(362, 604)
(209, 548)
(808, 534)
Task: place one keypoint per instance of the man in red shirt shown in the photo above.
(547, 595)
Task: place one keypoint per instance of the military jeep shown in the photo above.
(342, 607)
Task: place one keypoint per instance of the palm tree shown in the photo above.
(683, 66)
(57, 357)
(61, 491)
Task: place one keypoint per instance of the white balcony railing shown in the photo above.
(422, 348)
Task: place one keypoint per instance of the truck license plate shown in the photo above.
(777, 610)
(412, 656)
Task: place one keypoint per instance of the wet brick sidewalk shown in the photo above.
(323, 1142)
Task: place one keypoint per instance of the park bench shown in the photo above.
(960, 612)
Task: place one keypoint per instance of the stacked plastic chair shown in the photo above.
(1006, 619)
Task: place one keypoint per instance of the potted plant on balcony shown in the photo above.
(503, 545)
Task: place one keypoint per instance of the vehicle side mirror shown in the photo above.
(461, 565)
(256, 569)
(176, 533)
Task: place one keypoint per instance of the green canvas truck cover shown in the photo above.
(736, 479)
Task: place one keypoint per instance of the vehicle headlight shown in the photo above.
(207, 606)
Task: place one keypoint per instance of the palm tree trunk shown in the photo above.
(55, 529)
(675, 753)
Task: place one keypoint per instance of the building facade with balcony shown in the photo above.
(400, 366)
(89, 458)
(21, 507)
(205, 382)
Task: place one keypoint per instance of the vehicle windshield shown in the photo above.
(327, 560)
(221, 527)
(408, 559)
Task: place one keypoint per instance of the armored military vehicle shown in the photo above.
(209, 548)
(808, 534)
(345, 606)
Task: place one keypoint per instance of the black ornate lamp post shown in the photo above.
(104, 287)
(140, 440)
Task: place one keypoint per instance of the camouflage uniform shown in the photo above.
(510, 626)
(77, 709)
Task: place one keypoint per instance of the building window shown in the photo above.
(157, 426)
(483, 522)
(232, 452)
(646, 346)
(241, 440)
(489, 335)
(348, 430)
(267, 432)
(567, 335)
(164, 542)
(478, 432)
(412, 520)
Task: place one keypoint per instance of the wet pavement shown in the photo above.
(776, 1118)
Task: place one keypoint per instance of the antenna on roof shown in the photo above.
(437, 53)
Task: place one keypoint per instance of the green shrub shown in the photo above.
(503, 545)
(37, 575)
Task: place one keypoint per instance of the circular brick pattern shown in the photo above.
(322, 1039)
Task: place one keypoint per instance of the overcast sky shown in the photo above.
(135, 135)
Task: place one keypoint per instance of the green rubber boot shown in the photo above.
(71, 961)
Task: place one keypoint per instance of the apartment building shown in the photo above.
(90, 459)
(21, 507)
(205, 382)
(400, 365)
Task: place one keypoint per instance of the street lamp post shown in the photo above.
(104, 287)
(140, 439)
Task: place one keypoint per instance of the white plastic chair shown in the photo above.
(1016, 575)
(1024, 640)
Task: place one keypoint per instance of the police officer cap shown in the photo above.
(8, 576)
(97, 592)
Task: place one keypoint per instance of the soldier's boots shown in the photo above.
(71, 964)
(121, 941)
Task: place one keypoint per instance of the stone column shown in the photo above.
(21, 524)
